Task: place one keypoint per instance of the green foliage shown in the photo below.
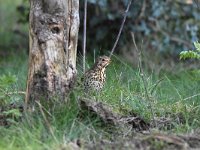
(8, 96)
(23, 12)
(13, 112)
(191, 53)
(6, 84)
(13, 74)
(7, 80)
(13, 34)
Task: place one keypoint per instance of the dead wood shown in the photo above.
(53, 36)
(152, 141)
(108, 116)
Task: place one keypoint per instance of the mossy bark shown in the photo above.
(53, 35)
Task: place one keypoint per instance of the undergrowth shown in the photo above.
(173, 96)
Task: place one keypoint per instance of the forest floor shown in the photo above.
(122, 116)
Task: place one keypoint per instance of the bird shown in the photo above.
(94, 78)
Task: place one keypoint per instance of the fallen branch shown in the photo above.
(106, 114)
(151, 141)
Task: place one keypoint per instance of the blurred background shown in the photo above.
(163, 28)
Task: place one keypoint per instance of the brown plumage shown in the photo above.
(95, 77)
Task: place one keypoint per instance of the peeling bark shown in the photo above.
(53, 35)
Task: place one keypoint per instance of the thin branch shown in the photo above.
(143, 78)
(121, 27)
(84, 34)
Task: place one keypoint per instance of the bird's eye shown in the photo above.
(103, 59)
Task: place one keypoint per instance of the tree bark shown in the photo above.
(53, 34)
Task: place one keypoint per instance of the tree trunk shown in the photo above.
(53, 38)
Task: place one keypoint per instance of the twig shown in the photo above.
(84, 34)
(46, 121)
(143, 78)
(121, 27)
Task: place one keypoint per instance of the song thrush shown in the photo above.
(94, 78)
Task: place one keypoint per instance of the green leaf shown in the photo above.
(7, 80)
(13, 112)
(189, 54)
(197, 46)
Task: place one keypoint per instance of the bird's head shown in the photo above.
(103, 61)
